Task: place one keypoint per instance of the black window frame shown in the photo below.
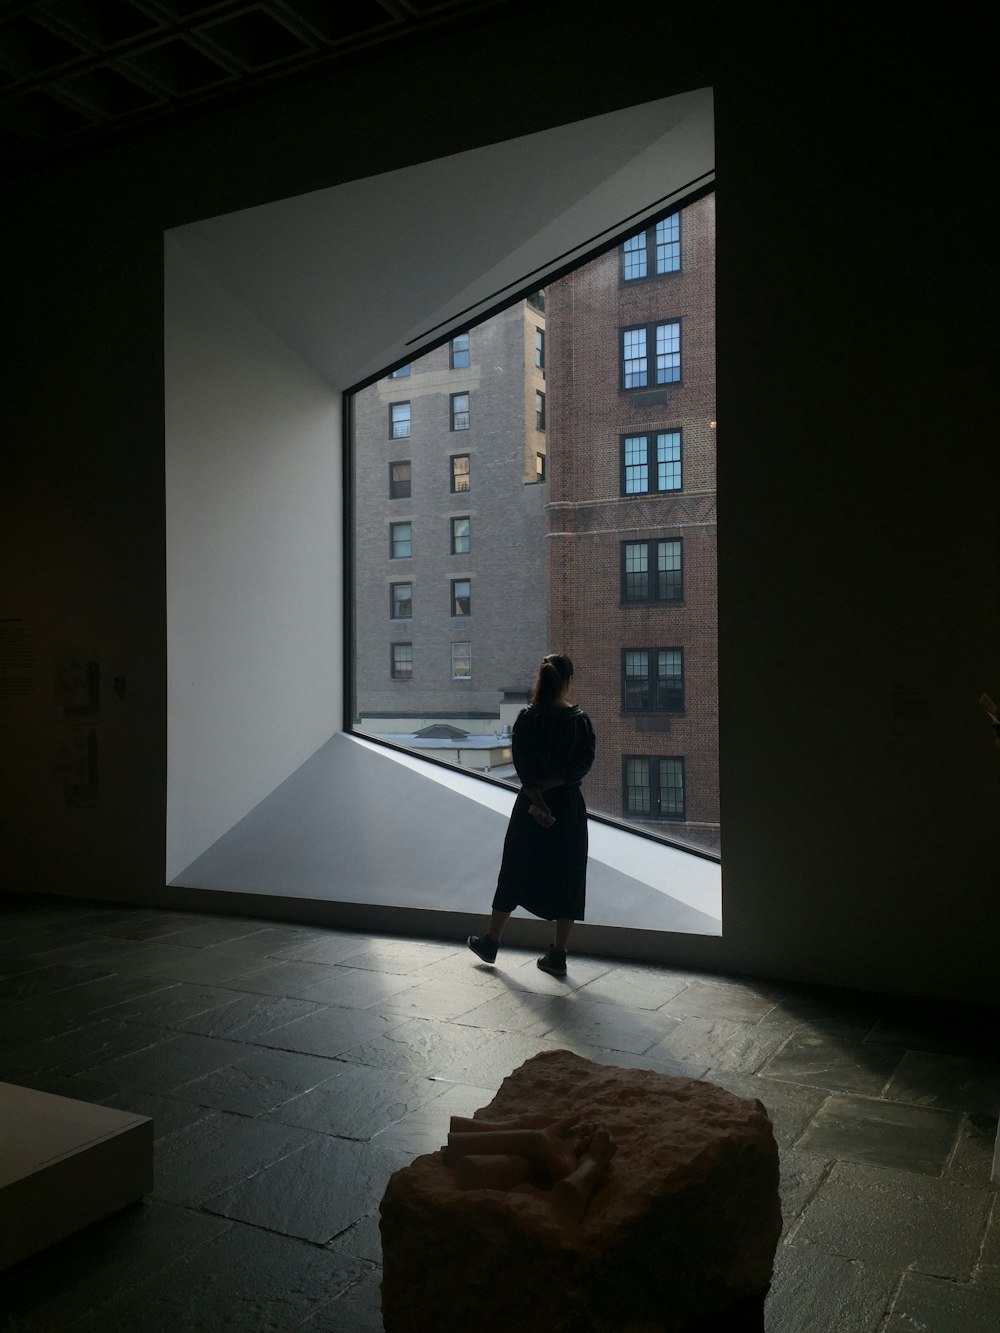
(649, 329)
(401, 523)
(455, 611)
(407, 403)
(652, 762)
(654, 698)
(540, 467)
(394, 492)
(395, 674)
(460, 518)
(652, 597)
(454, 415)
(539, 410)
(649, 248)
(539, 348)
(651, 463)
(452, 474)
(408, 615)
(456, 353)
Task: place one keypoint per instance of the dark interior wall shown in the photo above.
(858, 528)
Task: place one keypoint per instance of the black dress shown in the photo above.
(544, 870)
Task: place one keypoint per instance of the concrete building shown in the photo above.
(632, 518)
(449, 564)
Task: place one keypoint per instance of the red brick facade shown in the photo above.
(590, 412)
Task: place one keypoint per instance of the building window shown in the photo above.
(654, 251)
(651, 463)
(540, 348)
(461, 661)
(400, 601)
(653, 680)
(400, 540)
(656, 343)
(539, 467)
(399, 421)
(653, 787)
(461, 597)
(401, 374)
(539, 410)
(652, 571)
(402, 661)
(461, 536)
(461, 478)
(460, 411)
(399, 479)
(461, 352)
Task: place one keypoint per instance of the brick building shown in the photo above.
(632, 519)
(449, 496)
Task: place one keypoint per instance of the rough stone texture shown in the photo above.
(684, 1225)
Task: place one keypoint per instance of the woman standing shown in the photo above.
(544, 866)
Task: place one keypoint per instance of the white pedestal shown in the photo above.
(65, 1164)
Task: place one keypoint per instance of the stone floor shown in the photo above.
(290, 1070)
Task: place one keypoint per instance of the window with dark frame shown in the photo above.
(400, 601)
(401, 374)
(653, 680)
(653, 787)
(460, 411)
(653, 252)
(461, 535)
(402, 661)
(539, 410)
(539, 467)
(399, 479)
(460, 354)
(461, 597)
(652, 571)
(540, 348)
(399, 421)
(646, 343)
(400, 541)
(461, 660)
(651, 463)
(461, 475)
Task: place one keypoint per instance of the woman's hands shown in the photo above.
(538, 809)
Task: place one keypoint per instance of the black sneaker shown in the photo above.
(554, 962)
(483, 947)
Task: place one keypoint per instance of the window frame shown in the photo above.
(649, 330)
(455, 612)
(454, 415)
(651, 437)
(652, 679)
(652, 597)
(656, 812)
(460, 518)
(649, 249)
(539, 410)
(394, 672)
(460, 643)
(401, 523)
(394, 493)
(455, 353)
(393, 423)
(539, 348)
(408, 583)
(453, 474)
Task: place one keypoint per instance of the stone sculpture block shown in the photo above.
(681, 1226)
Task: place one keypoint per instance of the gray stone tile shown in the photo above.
(802, 1173)
(938, 1026)
(47, 979)
(221, 966)
(720, 1043)
(944, 1307)
(217, 1152)
(426, 1129)
(422, 1046)
(97, 997)
(175, 1059)
(358, 1310)
(988, 1268)
(789, 1107)
(528, 975)
(465, 969)
(862, 1129)
(83, 1047)
(496, 1055)
(289, 977)
(971, 1161)
(167, 1115)
(950, 1081)
(822, 1061)
(326, 947)
(313, 1194)
(400, 957)
(635, 987)
(441, 999)
(20, 1027)
(218, 930)
(174, 1005)
(578, 1021)
(78, 1277)
(61, 1085)
(245, 1280)
(896, 1220)
(363, 1240)
(147, 925)
(330, 1031)
(91, 951)
(258, 1082)
(156, 958)
(723, 999)
(248, 1017)
(357, 1102)
(515, 1011)
(813, 1292)
(656, 1060)
(355, 988)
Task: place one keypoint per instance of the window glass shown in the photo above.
(461, 478)
(461, 536)
(401, 540)
(461, 352)
(461, 661)
(399, 421)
